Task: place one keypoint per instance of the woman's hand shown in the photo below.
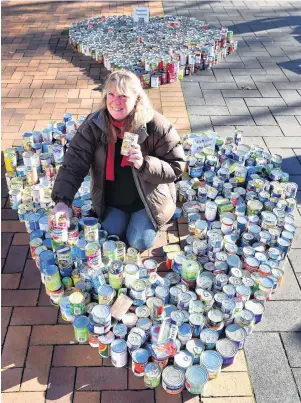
(59, 212)
(135, 156)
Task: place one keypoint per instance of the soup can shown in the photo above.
(52, 278)
(196, 378)
(209, 338)
(34, 244)
(121, 250)
(106, 294)
(91, 229)
(152, 375)
(76, 301)
(195, 347)
(212, 361)
(134, 341)
(64, 256)
(120, 330)
(228, 350)
(110, 250)
(80, 326)
(236, 333)
(139, 361)
(93, 255)
(104, 342)
(197, 322)
(183, 360)
(173, 380)
(119, 353)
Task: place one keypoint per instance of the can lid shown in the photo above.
(215, 315)
(212, 360)
(105, 290)
(183, 359)
(243, 290)
(197, 319)
(152, 370)
(142, 311)
(235, 332)
(177, 316)
(90, 221)
(185, 330)
(106, 338)
(195, 346)
(100, 312)
(131, 268)
(81, 321)
(209, 336)
(120, 329)
(144, 323)
(76, 298)
(135, 339)
(197, 375)
(129, 319)
(255, 306)
(140, 356)
(226, 347)
(173, 376)
(118, 346)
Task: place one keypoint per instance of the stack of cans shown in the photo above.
(188, 321)
(159, 52)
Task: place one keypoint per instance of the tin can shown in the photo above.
(52, 278)
(134, 341)
(76, 300)
(131, 273)
(138, 290)
(196, 378)
(152, 375)
(91, 229)
(106, 294)
(173, 380)
(120, 331)
(236, 333)
(80, 326)
(212, 361)
(139, 361)
(104, 342)
(110, 250)
(93, 255)
(119, 356)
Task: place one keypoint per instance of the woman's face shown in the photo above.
(119, 105)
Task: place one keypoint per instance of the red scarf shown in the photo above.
(111, 151)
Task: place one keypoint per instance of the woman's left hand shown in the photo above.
(135, 156)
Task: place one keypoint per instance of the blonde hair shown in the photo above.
(125, 81)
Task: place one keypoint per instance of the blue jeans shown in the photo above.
(136, 228)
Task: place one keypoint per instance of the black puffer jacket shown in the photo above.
(163, 164)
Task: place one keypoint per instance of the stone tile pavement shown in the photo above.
(256, 89)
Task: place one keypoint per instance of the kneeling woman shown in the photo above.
(132, 195)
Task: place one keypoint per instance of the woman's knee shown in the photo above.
(141, 240)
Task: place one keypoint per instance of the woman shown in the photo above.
(133, 196)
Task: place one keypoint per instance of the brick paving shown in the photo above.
(257, 89)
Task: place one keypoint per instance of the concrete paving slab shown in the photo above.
(271, 377)
(280, 316)
(290, 289)
(262, 116)
(260, 131)
(297, 376)
(294, 257)
(292, 345)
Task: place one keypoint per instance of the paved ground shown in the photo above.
(258, 89)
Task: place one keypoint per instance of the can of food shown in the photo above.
(104, 342)
(106, 294)
(110, 250)
(56, 296)
(120, 331)
(131, 273)
(121, 250)
(196, 378)
(52, 278)
(236, 333)
(34, 244)
(173, 379)
(77, 306)
(139, 361)
(119, 356)
(132, 255)
(197, 322)
(152, 375)
(184, 333)
(91, 229)
(129, 320)
(212, 361)
(134, 341)
(80, 326)
(138, 290)
(142, 311)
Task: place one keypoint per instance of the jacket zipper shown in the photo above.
(140, 191)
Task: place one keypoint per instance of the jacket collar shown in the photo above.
(98, 119)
